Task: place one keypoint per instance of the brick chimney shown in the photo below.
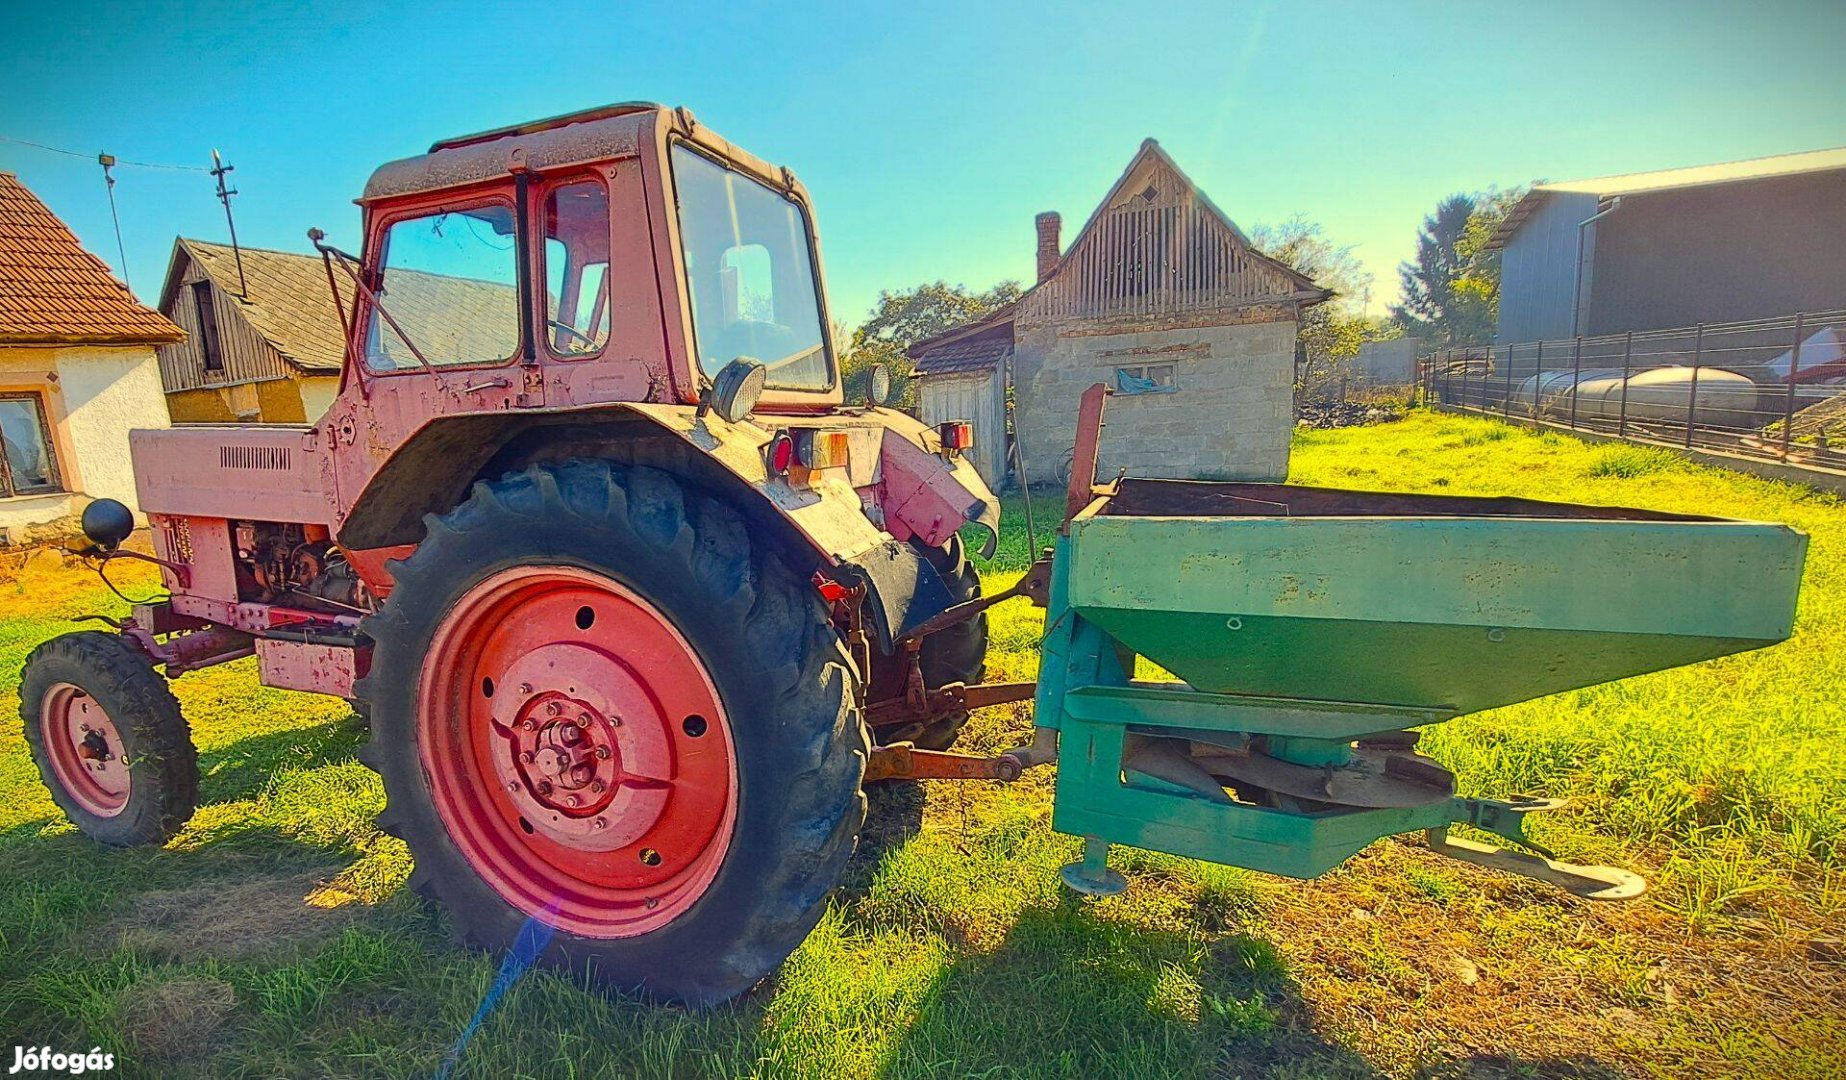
(1048, 225)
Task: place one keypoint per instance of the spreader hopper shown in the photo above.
(1432, 602)
(1311, 630)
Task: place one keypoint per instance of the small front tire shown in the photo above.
(108, 738)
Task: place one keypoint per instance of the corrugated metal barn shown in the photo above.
(1650, 251)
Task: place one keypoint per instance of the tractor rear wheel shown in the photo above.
(598, 705)
(955, 654)
(109, 739)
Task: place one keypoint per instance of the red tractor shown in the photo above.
(625, 587)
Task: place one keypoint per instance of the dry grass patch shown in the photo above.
(277, 916)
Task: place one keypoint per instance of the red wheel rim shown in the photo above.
(577, 751)
(85, 750)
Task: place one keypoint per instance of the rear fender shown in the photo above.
(827, 518)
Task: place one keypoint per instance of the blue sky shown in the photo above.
(929, 134)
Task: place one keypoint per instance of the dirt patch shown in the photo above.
(234, 920)
(168, 1020)
(1326, 415)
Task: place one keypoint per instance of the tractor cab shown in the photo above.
(619, 254)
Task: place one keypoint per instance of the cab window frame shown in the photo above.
(541, 272)
(374, 269)
(771, 392)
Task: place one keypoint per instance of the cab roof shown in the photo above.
(597, 134)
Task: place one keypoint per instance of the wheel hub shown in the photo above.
(577, 749)
(565, 754)
(85, 750)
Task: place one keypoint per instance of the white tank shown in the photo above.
(1725, 398)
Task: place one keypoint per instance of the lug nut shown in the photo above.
(552, 708)
(603, 753)
(528, 724)
(573, 802)
(543, 787)
(525, 688)
(600, 824)
(597, 787)
(528, 757)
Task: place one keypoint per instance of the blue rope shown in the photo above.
(532, 939)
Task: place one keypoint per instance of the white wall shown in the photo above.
(94, 395)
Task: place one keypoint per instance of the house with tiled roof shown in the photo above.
(77, 373)
(1162, 297)
(264, 341)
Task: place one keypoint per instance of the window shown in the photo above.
(209, 346)
(751, 275)
(1145, 379)
(577, 268)
(447, 289)
(28, 466)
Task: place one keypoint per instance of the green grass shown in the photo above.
(274, 936)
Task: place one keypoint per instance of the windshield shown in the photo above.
(449, 284)
(750, 274)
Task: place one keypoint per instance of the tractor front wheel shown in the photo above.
(109, 739)
(596, 704)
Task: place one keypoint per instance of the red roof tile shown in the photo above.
(53, 292)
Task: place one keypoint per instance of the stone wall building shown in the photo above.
(77, 373)
(1160, 296)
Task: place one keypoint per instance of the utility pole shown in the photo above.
(107, 161)
(219, 169)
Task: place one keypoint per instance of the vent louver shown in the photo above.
(255, 457)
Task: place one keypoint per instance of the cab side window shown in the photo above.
(576, 217)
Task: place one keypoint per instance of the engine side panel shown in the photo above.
(232, 471)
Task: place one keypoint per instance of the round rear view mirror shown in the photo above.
(736, 388)
(878, 389)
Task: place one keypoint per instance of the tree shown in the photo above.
(901, 319)
(1329, 334)
(1452, 290)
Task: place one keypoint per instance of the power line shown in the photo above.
(85, 155)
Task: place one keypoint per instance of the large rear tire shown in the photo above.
(108, 738)
(596, 703)
(956, 654)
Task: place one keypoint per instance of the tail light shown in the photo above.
(780, 454)
(957, 435)
(821, 449)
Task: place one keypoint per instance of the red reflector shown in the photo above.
(781, 454)
(956, 434)
(830, 590)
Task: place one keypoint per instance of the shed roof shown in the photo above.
(1726, 172)
(54, 292)
(977, 352)
(289, 303)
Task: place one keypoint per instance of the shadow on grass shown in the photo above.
(1072, 992)
(244, 769)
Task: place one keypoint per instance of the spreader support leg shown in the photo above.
(1092, 876)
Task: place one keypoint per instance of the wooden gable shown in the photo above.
(1155, 246)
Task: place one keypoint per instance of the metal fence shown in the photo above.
(1768, 388)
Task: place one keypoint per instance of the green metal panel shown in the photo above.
(1465, 613)
(1310, 632)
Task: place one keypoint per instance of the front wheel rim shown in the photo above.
(577, 751)
(85, 750)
